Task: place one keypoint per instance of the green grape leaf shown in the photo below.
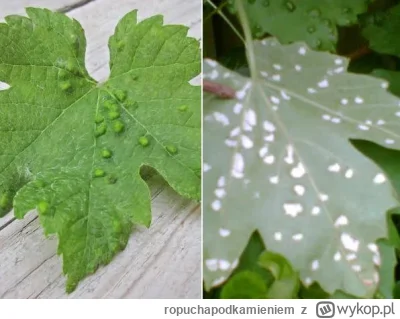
(387, 282)
(381, 30)
(312, 21)
(277, 159)
(245, 285)
(286, 284)
(73, 149)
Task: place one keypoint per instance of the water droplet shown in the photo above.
(66, 86)
(171, 149)
(43, 207)
(265, 3)
(112, 179)
(120, 95)
(311, 29)
(143, 140)
(118, 126)
(314, 13)
(99, 119)
(290, 6)
(100, 130)
(183, 108)
(98, 172)
(105, 153)
(113, 115)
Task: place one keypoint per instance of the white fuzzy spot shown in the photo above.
(363, 127)
(377, 259)
(274, 107)
(213, 75)
(344, 101)
(220, 192)
(242, 93)
(380, 122)
(323, 197)
(373, 247)
(349, 173)
(264, 74)
(247, 142)
(379, 178)
(315, 211)
(298, 67)
(334, 168)
(341, 221)
(356, 268)
(326, 117)
(237, 108)
(256, 195)
(263, 151)
(338, 61)
(269, 138)
(311, 90)
(206, 167)
(289, 157)
(323, 84)
(278, 236)
(238, 166)
(235, 132)
(230, 143)
(336, 120)
(337, 256)
(276, 77)
(277, 67)
(351, 257)
(270, 159)
(224, 264)
(250, 117)
(212, 264)
(368, 122)
(349, 242)
(211, 63)
(221, 181)
(315, 265)
(299, 190)
(359, 100)
(227, 75)
(389, 141)
(308, 281)
(216, 205)
(397, 114)
(302, 51)
(218, 281)
(297, 237)
(275, 100)
(224, 232)
(221, 118)
(293, 209)
(285, 96)
(269, 126)
(298, 171)
(274, 179)
(384, 85)
(339, 70)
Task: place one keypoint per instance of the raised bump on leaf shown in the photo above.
(118, 126)
(106, 153)
(98, 172)
(101, 129)
(43, 207)
(113, 115)
(121, 95)
(171, 149)
(143, 140)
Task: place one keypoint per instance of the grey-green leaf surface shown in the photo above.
(312, 21)
(278, 159)
(74, 149)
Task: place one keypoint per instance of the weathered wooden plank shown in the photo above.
(18, 6)
(160, 262)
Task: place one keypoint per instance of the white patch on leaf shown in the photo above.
(293, 209)
(298, 171)
(349, 242)
(379, 178)
(221, 118)
(224, 232)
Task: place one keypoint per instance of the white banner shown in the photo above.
(182, 309)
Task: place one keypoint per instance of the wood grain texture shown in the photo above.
(163, 261)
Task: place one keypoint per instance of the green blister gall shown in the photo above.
(118, 126)
(112, 179)
(99, 119)
(65, 86)
(120, 95)
(143, 140)
(106, 153)
(98, 172)
(43, 207)
(5, 200)
(183, 108)
(131, 105)
(111, 105)
(171, 149)
(100, 130)
(113, 115)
